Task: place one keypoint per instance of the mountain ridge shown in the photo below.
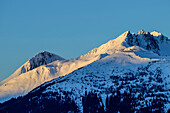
(39, 59)
(126, 72)
(128, 39)
(125, 44)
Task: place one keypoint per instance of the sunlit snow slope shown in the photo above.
(127, 49)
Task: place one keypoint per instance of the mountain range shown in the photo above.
(131, 73)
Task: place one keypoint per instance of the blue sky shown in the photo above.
(71, 28)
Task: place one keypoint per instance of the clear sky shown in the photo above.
(70, 28)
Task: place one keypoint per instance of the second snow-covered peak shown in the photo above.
(155, 33)
(141, 32)
(42, 58)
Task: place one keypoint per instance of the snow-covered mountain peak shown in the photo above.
(155, 33)
(126, 33)
(39, 59)
(153, 41)
(45, 53)
(110, 47)
(122, 37)
(45, 66)
(141, 32)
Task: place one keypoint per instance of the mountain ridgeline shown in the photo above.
(129, 74)
(150, 41)
(40, 59)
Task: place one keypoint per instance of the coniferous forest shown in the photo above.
(91, 103)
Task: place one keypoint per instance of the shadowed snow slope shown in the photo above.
(127, 51)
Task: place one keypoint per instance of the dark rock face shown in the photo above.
(43, 58)
(144, 40)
